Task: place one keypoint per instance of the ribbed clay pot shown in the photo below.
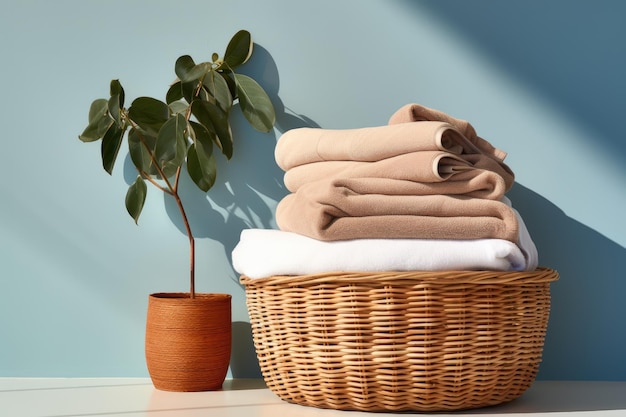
(188, 341)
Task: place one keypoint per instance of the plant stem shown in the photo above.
(192, 244)
(173, 191)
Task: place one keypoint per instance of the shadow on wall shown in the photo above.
(244, 362)
(239, 198)
(564, 50)
(243, 193)
(586, 336)
(247, 184)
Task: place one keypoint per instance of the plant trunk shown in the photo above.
(192, 246)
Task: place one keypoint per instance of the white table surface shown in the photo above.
(132, 397)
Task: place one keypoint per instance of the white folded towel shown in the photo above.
(268, 252)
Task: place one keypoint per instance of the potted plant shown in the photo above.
(165, 137)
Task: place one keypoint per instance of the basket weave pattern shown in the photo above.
(420, 341)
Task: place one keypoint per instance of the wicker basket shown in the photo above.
(419, 341)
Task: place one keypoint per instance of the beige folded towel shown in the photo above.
(307, 145)
(419, 113)
(475, 184)
(331, 210)
(424, 166)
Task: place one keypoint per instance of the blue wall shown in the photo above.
(541, 80)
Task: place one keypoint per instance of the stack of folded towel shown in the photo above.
(424, 192)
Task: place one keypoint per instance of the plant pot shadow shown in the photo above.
(243, 361)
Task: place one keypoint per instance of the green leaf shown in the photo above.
(98, 109)
(201, 167)
(200, 134)
(136, 197)
(215, 120)
(239, 49)
(116, 89)
(232, 86)
(201, 164)
(179, 107)
(217, 87)
(111, 143)
(174, 93)
(149, 113)
(190, 91)
(255, 103)
(114, 109)
(171, 143)
(187, 70)
(140, 145)
(99, 121)
(116, 102)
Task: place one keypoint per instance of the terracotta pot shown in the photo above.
(188, 341)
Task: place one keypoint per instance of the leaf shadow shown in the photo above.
(249, 185)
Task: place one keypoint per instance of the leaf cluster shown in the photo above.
(184, 130)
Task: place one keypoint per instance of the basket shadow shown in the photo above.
(588, 294)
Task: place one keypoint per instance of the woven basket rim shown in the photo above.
(539, 275)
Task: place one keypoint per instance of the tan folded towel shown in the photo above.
(330, 210)
(480, 184)
(424, 166)
(418, 113)
(307, 145)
